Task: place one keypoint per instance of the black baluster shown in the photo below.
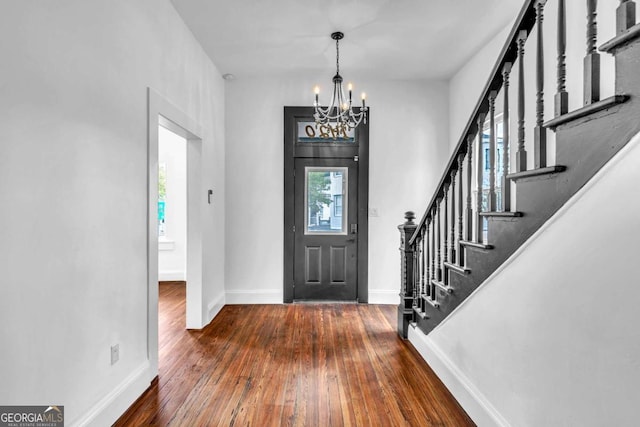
(416, 270)
(479, 179)
(562, 96)
(458, 248)
(433, 256)
(521, 154)
(423, 265)
(540, 132)
(592, 59)
(452, 227)
(491, 199)
(438, 243)
(506, 184)
(427, 260)
(445, 232)
(469, 210)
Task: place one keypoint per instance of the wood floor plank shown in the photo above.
(290, 365)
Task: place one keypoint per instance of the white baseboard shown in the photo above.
(274, 296)
(172, 276)
(254, 296)
(113, 405)
(470, 398)
(214, 307)
(384, 296)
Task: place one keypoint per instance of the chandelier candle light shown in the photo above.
(339, 115)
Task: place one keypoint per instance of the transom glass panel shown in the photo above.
(309, 132)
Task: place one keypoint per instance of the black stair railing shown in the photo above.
(475, 185)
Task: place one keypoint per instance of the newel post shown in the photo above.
(405, 308)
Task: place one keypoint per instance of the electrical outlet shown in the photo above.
(373, 212)
(115, 353)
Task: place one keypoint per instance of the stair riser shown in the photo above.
(627, 66)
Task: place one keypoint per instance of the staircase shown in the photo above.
(484, 209)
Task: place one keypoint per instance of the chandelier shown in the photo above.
(339, 114)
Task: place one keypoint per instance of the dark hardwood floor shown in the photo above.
(290, 365)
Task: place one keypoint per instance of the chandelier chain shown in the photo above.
(337, 56)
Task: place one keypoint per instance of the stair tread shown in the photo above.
(515, 214)
(586, 110)
(419, 312)
(621, 39)
(442, 286)
(475, 245)
(457, 268)
(536, 172)
(431, 302)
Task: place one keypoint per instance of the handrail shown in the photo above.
(525, 21)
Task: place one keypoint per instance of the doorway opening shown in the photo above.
(172, 234)
(164, 119)
(172, 207)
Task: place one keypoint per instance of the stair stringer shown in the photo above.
(550, 338)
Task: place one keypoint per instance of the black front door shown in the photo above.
(326, 229)
(325, 210)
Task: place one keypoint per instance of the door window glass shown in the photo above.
(325, 200)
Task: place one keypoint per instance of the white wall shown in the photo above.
(172, 254)
(555, 343)
(73, 185)
(408, 146)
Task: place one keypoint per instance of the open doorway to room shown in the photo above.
(175, 226)
(172, 207)
(172, 235)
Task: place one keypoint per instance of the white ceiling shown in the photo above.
(394, 39)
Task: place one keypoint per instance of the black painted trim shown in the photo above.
(290, 153)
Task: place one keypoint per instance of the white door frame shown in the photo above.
(163, 113)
